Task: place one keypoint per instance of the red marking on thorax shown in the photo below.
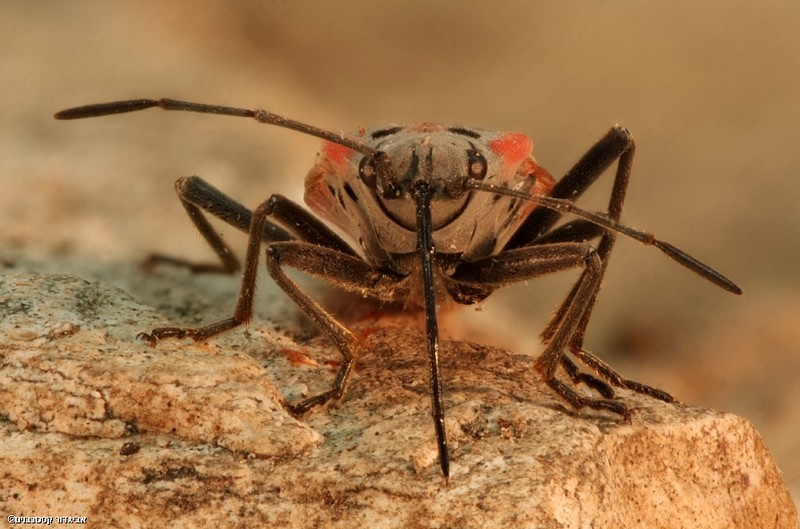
(513, 147)
(337, 154)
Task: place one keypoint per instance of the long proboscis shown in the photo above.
(567, 206)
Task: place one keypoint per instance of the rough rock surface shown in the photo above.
(95, 423)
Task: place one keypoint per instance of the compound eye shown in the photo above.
(367, 172)
(476, 165)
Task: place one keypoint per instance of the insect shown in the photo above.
(436, 211)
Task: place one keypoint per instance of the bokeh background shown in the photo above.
(711, 91)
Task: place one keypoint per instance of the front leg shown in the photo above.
(305, 227)
(617, 144)
(196, 196)
(324, 256)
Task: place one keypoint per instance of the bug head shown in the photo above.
(371, 183)
(373, 192)
(430, 155)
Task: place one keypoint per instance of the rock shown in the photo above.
(98, 424)
(72, 365)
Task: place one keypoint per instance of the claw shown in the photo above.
(149, 338)
(172, 332)
(299, 408)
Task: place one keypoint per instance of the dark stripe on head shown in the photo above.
(464, 132)
(385, 132)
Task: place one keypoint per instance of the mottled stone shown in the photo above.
(194, 435)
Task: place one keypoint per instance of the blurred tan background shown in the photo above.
(710, 90)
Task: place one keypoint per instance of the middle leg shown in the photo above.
(534, 261)
(305, 226)
(617, 144)
(345, 271)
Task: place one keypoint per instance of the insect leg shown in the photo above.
(533, 261)
(305, 226)
(197, 195)
(626, 145)
(613, 145)
(616, 144)
(346, 271)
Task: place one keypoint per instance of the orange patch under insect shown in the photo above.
(298, 358)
